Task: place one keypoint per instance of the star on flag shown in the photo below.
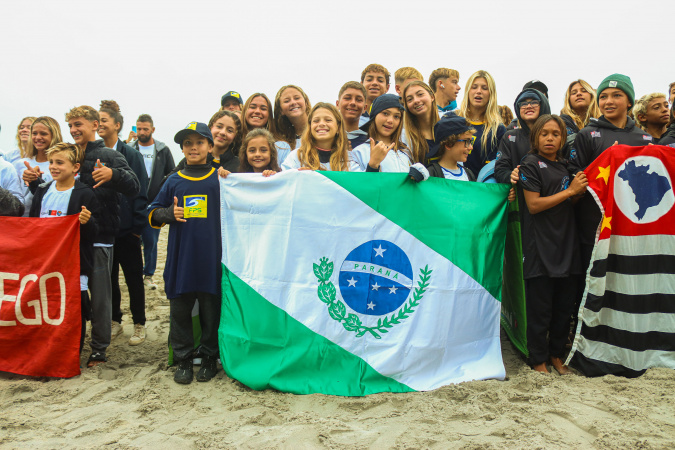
(380, 251)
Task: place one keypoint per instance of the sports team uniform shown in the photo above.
(550, 263)
(192, 270)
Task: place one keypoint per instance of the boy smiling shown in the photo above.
(190, 202)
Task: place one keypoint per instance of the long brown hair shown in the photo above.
(285, 129)
(418, 144)
(270, 116)
(309, 155)
(236, 142)
(244, 165)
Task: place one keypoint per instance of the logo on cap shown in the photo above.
(191, 126)
(613, 83)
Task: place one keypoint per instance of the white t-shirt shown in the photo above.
(455, 175)
(148, 154)
(55, 202)
(20, 167)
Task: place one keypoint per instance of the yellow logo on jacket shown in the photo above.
(195, 206)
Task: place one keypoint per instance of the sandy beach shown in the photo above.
(133, 402)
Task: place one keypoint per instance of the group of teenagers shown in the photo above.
(124, 192)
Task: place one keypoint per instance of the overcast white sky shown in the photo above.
(174, 60)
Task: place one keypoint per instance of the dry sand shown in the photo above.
(132, 401)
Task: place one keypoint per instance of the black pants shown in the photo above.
(549, 306)
(180, 334)
(127, 253)
(85, 304)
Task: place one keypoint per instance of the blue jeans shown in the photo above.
(150, 236)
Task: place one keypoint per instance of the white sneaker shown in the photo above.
(147, 281)
(138, 336)
(115, 330)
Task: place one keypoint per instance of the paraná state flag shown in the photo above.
(627, 314)
(357, 283)
(40, 318)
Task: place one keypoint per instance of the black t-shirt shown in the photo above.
(555, 253)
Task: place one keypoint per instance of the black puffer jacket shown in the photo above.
(123, 181)
(669, 137)
(134, 209)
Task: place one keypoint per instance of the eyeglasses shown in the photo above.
(525, 103)
(468, 142)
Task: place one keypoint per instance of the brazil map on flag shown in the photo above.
(627, 314)
(355, 283)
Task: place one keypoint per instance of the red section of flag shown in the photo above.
(645, 188)
(40, 316)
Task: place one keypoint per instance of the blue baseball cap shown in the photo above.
(384, 101)
(449, 125)
(231, 94)
(193, 127)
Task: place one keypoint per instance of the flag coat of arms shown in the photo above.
(352, 284)
(627, 314)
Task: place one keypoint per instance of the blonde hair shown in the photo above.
(84, 111)
(492, 118)
(641, 107)
(244, 165)
(418, 144)
(73, 152)
(441, 73)
(592, 111)
(270, 116)
(406, 73)
(309, 155)
(285, 129)
(22, 149)
(54, 129)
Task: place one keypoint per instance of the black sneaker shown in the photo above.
(95, 359)
(184, 372)
(208, 370)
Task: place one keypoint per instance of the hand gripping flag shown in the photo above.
(358, 283)
(40, 318)
(627, 314)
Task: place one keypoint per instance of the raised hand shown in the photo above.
(178, 211)
(85, 215)
(378, 152)
(31, 173)
(101, 173)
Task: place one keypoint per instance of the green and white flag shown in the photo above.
(358, 283)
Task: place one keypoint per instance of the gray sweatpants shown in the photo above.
(100, 288)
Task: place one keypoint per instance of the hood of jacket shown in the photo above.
(606, 124)
(544, 106)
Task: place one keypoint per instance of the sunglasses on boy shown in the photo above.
(525, 103)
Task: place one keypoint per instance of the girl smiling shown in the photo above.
(324, 142)
(384, 152)
(291, 108)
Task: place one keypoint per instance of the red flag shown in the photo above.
(638, 199)
(627, 314)
(40, 318)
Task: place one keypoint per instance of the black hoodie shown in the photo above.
(591, 141)
(514, 146)
(599, 135)
(516, 143)
(668, 137)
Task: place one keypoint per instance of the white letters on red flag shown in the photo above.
(627, 315)
(40, 315)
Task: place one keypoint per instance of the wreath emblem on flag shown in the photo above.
(372, 284)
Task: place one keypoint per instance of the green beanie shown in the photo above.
(621, 82)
